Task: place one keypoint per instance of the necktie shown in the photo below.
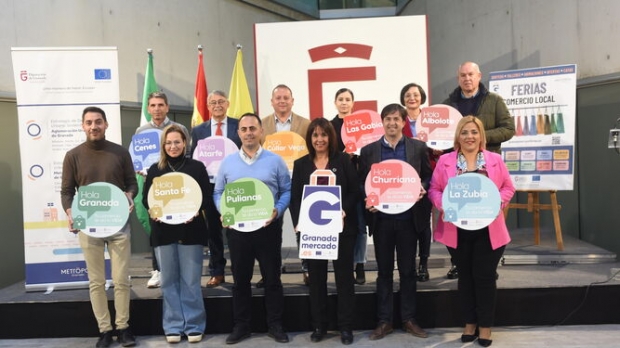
(218, 131)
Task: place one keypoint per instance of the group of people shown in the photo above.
(178, 249)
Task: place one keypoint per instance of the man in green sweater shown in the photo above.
(99, 160)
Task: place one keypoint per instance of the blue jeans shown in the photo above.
(183, 305)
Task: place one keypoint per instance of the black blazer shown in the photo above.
(346, 176)
(417, 156)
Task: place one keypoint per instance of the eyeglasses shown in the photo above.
(217, 102)
(175, 143)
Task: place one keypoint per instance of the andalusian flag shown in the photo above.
(201, 113)
(239, 95)
(150, 86)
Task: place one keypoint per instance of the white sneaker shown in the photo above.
(155, 281)
(193, 338)
(173, 338)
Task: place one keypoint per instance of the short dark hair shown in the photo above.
(281, 86)
(160, 95)
(251, 114)
(406, 88)
(342, 90)
(96, 110)
(327, 126)
(392, 108)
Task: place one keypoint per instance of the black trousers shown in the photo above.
(343, 268)
(217, 261)
(396, 235)
(477, 264)
(264, 245)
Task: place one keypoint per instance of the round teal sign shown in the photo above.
(470, 201)
(99, 209)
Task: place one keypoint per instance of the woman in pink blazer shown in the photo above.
(476, 253)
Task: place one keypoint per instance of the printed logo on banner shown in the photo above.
(103, 74)
(320, 222)
(23, 75)
(317, 77)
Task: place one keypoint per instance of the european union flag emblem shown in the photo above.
(319, 252)
(386, 206)
(168, 217)
(241, 225)
(464, 222)
(103, 74)
(92, 230)
(536, 178)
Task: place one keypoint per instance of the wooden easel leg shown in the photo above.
(536, 211)
(556, 220)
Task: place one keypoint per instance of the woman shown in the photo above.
(476, 253)
(412, 96)
(324, 154)
(179, 247)
(344, 104)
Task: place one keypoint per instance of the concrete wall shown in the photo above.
(498, 34)
(173, 29)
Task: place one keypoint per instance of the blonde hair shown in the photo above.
(163, 158)
(459, 127)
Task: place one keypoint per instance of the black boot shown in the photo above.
(423, 273)
(453, 273)
(360, 276)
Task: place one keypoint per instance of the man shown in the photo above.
(264, 244)
(99, 160)
(397, 231)
(472, 98)
(219, 124)
(284, 119)
(158, 109)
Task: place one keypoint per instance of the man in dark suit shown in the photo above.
(219, 124)
(397, 231)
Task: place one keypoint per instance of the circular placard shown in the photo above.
(360, 129)
(392, 186)
(99, 209)
(436, 126)
(174, 198)
(246, 204)
(289, 145)
(211, 151)
(470, 201)
(144, 149)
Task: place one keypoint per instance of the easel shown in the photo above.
(533, 205)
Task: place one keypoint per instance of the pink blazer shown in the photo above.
(445, 232)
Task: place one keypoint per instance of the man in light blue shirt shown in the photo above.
(264, 244)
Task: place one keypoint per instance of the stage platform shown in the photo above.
(538, 285)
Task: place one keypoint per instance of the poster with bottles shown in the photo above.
(542, 103)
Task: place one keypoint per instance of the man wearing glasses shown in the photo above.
(158, 109)
(222, 125)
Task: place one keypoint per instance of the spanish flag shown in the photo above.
(239, 94)
(201, 113)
